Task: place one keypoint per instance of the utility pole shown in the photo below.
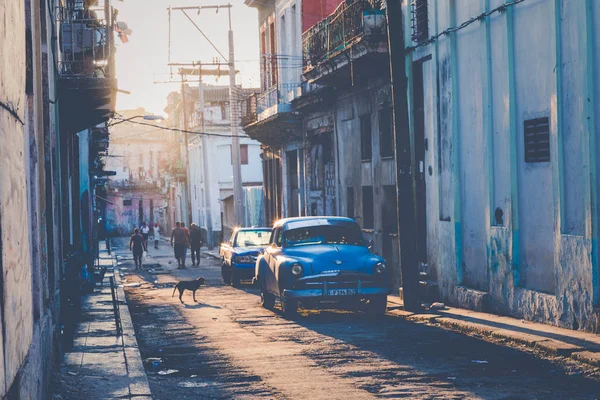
(207, 198)
(188, 190)
(405, 179)
(238, 190)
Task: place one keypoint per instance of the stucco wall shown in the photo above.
(480, 85)
(14, 225)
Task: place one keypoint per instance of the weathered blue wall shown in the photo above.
(538, 58)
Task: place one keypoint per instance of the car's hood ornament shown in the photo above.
(338, 262)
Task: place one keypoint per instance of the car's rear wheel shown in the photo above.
(289, 307)
(377, 305)
(267, 300)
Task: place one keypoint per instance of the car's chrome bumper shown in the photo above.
(324, 292)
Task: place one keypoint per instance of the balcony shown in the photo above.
(349, 44)
(87, 86)
(269, 117)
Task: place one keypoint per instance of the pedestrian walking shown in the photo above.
(187, 242)
(178, 243)
(145, 231)
(137, 246)
(156, 235)
(195, 243)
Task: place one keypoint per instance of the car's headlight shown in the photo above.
(244, 259)
(379, 268)
(296, 269)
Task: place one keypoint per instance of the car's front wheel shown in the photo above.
(289, 307)
(235, 279)
(377, 305)
(267, 300)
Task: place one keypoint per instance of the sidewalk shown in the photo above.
(549, 339)
(102, 365)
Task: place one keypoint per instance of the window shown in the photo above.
(420, 23)
(537, 140)
(263, 55)
(350, 202)
(367, 207)
(386, 141)
(126, 203)
(273, 53)
(366, 151)
(244, 154)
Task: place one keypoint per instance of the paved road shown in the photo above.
(227, 346)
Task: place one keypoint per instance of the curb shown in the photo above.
(216, 257)
(534, 342)
(139, 387)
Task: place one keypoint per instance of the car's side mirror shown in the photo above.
(371, 244)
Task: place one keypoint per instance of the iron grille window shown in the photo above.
(420, 23)
(366, 150)
(537, 140)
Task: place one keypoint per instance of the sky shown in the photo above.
(143, 60)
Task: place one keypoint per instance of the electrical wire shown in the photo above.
(448, 31)
(184, 131)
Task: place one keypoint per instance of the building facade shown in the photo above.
(502, 114)
(144, 159)
(49, 105)
(211, 180)
(326, 128)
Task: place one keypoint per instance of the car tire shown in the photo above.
(289, 308)
(267, 300)
(226, 275)
(235, 279)
(377, 305)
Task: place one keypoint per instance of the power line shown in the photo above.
(480, 17)
(226, 135)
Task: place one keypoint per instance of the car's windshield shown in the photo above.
(252, 238)
(324, 234)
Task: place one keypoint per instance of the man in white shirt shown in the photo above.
(145, 231)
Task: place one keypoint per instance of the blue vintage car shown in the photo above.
(238, 256)
(311, 260)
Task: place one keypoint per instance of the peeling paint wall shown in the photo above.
(506, 235)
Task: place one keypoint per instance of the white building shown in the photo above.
(219, 164)
(506, 109)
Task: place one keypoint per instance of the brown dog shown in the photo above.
(189, 285)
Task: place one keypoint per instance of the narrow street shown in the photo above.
(227, 346)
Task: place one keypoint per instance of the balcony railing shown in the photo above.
(276, 99)
(345, 25)
(84, 37)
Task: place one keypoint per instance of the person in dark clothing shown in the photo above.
(137, 245)
(187, 241)
(178, 242)
(195, 243)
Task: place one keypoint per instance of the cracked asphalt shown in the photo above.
(227, 346)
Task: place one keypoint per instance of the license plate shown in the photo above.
(341, 292)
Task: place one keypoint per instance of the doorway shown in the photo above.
(420, 148)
